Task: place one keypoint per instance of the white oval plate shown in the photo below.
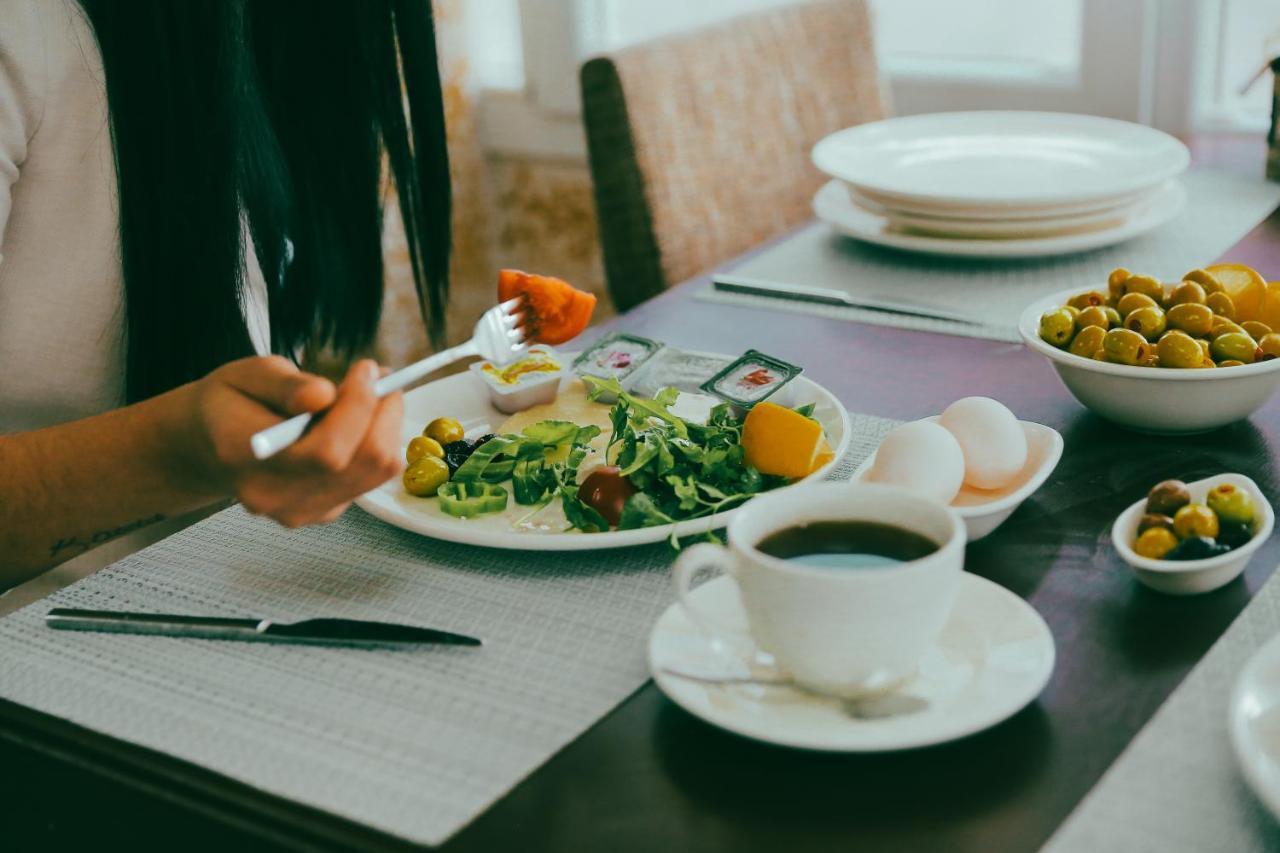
(1001, 158)
(994, 656)
(832, 205)
(1254, 722)
(985, 510)
(463, 397)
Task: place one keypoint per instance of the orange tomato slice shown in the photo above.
(1246, 287)
(555, 310)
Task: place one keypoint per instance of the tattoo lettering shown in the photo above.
(78, 544)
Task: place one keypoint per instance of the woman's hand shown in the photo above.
(350, 449)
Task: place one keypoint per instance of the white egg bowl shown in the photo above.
(1153, 399)
(1188, 577)
(983, 510)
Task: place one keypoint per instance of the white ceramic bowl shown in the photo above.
(983, 510)
(1188, 577)
(1153, 399)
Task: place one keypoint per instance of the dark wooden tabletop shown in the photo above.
(651, 777)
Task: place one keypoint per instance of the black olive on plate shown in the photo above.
(1197, 548)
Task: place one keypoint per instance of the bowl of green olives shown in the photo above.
(1188, 538)
(1136, 355)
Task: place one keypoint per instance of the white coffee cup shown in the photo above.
(844, 632)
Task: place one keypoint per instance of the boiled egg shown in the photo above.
(991, 439)
(923, 457)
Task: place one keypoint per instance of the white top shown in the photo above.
(61, 284)
(62, 317)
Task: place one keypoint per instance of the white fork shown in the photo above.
(497, 337)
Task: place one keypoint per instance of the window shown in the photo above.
(1239, 37)
(1176, 64)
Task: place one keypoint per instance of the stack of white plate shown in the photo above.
(999, 184)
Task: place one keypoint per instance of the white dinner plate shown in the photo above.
(1255, 723)
(994, 656)
(833, 205)
(464, 397)
(1006, 229)
(890, 206)
(1010, 159)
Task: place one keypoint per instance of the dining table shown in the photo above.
(650, 776)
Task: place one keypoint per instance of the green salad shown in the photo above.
(660, 468)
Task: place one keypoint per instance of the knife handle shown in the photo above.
(119, 622)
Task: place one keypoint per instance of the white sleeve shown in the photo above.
(23, 82)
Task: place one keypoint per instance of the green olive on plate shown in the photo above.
(1094, 315)
(1179, 350)
(1131, 302)
(1088, 299)
(1145, 284)
(1234, 346)
(1187, 293)
(1221, 304)
(444, 430)
(1231, 503)
(1148, 322)
(1196, 320)
(1255, 329)
(1154, 543)
(1205, 279)
(420, 446)
(1195, 520)
(1088, 341)
(1057, 326)
(425, 476)
(1115, 282)
(1125, 346)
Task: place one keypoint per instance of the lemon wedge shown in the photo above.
(1246, 287)
(1271, 306)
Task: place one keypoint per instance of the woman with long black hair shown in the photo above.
(186, 188)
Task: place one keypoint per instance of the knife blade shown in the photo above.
(828, 296)
(326, 631)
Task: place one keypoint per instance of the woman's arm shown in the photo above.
(69, 488)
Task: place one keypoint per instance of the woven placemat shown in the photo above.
(412, 742)
(1221, 208)
(1177, 786)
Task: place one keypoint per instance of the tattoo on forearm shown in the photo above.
(80, 544)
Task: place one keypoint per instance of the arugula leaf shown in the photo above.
(551, 433)
(641, 511)
(641, 407)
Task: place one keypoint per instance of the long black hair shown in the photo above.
(277, 115)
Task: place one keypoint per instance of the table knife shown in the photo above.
(338, 632)
(828, 296)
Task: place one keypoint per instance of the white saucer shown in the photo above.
(994, 656)
(833, 205)
(1255, 723)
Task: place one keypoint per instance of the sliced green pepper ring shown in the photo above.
(467, 500)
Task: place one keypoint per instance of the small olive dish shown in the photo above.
(1189, 577)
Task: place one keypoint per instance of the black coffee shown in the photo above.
(847, 545)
